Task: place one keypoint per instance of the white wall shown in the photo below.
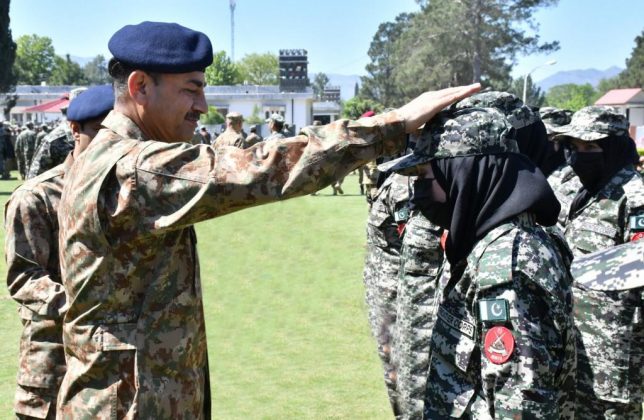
(636, 116)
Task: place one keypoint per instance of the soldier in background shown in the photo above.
(505, 289)
(252, 138)
(33, 269)
(205, 135)
(275, 125)
(232, 136)
(25, 148)
(56, 145)
(44, 129)
(553, 118)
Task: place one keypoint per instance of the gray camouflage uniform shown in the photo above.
(387, 217)
(609, 315)
(53, 150)
(515, 268)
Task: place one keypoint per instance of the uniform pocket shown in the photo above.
(591, 235)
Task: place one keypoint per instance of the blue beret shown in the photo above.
(161, 47)
(93, 103)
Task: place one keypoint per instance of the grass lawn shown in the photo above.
(287, 329)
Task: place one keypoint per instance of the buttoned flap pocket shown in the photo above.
(592, 234)
(114, 337)
(421, 247)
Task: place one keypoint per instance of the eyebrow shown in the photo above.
(197, 83)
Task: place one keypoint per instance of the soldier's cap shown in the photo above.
(29, 124)
(455, 133)
(234, 116)
(554, 117)
(594, 123)
(518, 114)
(161, 47)
(276, 117)
(93, 103)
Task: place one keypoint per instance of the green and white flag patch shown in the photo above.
(494, 310)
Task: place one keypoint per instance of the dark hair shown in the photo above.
(120, 73)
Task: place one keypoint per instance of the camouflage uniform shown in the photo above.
(387, 218)
(251, 140)
(370, 179)
(275, 135)
(33, 279)
(422, 257)
(134, 332)
(609, 292)
(53, 150)
(39, 137)
(515, 264)
(229, 138)
(25, 144)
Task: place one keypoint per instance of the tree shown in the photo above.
(212, 117)
(255, 118)
(534, 95)
(355, 107)
(319, 83)
(259, 69)
(222, 71)
(457, 42)
(7, 50)
(356, 89)
(379, 84)
(34, 59)
(65, 72)
(96, 72)
(571, 96)
(633, 75)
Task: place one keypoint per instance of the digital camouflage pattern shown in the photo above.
(33, 280)
(617, 268)
(594, 123)
(422, 257)
(53, 150)
(387, 217)
(466, 132)
(229, 138)
(605, 220)
(515, 264)
(517, 114)
(134, 332)
(554, 118)
(25, 149)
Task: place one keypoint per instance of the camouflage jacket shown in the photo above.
(134, 331)
(229, 138)
(370, 173)
(276, 135)
(39, 137)
(604, 221)
(53, 150)
(25, 148)
(387, 217)
(251, 140)
(561, 175)
(33, 279)
(516, 270)
(422, 257)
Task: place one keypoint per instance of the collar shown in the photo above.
(122, 125)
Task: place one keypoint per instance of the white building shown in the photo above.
(629, 102)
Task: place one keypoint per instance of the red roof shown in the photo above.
(618, 96)
(51, 106)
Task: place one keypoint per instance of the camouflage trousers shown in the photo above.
(610, 353)
(35, 403)
(421, 259)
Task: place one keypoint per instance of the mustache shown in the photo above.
(192, 116)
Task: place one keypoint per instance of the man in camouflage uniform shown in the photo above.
(233, 135)
(502, 345)
(554, 118)
(134, 331)
(44, 130)
(609, 317)
(275, 125)
(33, 269)
(252, 138)
(609, 297)
(55, 146)
(25, 144)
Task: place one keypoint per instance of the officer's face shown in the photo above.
(175, 103)
(84, 133)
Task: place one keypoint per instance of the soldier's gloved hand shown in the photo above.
(423, 108)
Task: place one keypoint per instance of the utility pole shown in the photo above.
(233, 3)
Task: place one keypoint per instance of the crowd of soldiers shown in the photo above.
(469, 272)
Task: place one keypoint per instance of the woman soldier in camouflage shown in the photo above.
(603, 206)
(503, 344)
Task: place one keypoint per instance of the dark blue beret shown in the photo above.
(94, 102)
(161, 47)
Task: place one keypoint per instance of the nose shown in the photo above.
(200, 105)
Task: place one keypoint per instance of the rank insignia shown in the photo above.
(498, 345)
(494, 310)
(636, 223)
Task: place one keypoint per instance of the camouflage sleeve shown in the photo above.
(634, 221)
(20, 156)
(27, 252)
(178, 184)
(50, 154)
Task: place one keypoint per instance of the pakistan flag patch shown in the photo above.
(636, 223)
(494, 310)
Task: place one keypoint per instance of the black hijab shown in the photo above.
(618, 152)
(533, 142)
(485, 191)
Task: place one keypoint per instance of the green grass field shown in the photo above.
(288, 336)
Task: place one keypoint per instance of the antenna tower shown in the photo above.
(233, 3)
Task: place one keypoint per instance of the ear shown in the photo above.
(138, 85)
(76, 128)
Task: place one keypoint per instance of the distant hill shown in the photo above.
(347, 83)
(579, 77)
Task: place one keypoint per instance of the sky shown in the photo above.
(336, 33)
